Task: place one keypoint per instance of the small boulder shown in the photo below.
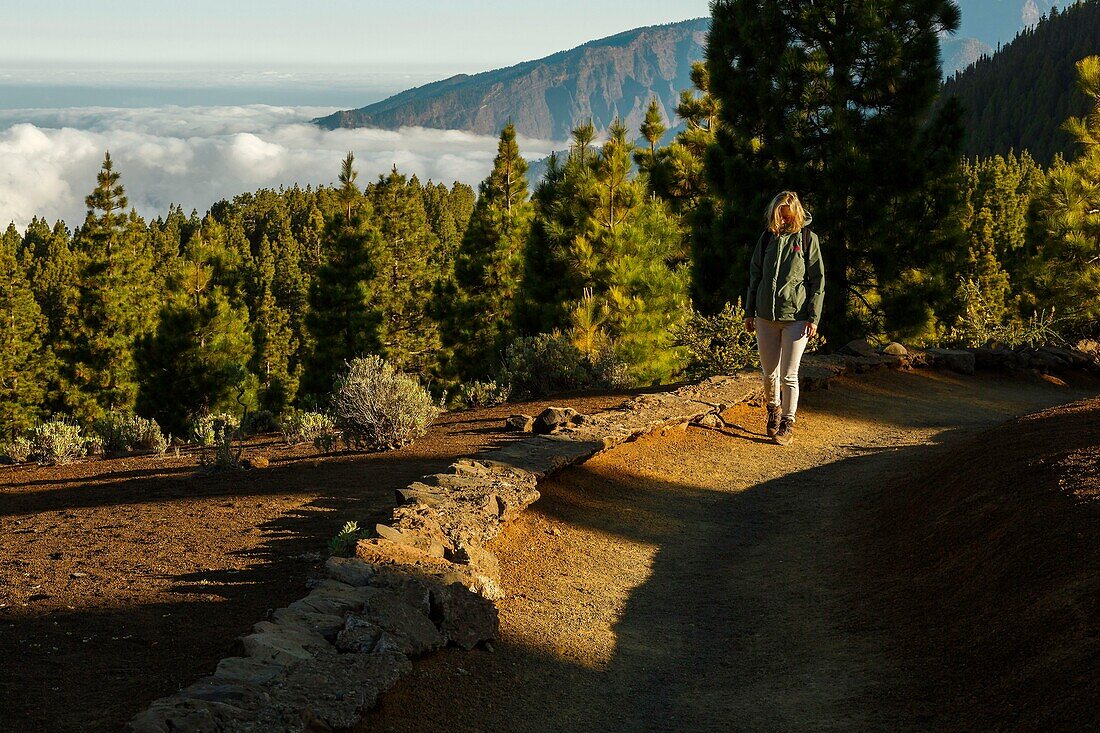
(957, 360)
(522, 423)
(412, 633)
(895, 349)
(710, 420)
(554, 418)
(859, 347)
(464, 617)
(350, 570)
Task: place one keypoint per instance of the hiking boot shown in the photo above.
(773, 419)
(785, 434)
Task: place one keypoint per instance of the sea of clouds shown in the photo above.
(195, 156)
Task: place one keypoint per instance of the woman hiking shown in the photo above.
(783, 305)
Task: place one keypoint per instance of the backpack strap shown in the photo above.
(806, 246)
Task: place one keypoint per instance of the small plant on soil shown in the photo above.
(484, 394)
(122, 433)
(18, 450)
(58, 442)
(536, 366)
(377, 407)
(304, 426)
(223, 456)
(343, 544)
(204, 428)
(607, 370)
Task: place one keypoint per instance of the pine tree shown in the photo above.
(558, 258)
(117, 300)
(489, 263)
(677, 174)
(273, 338)
(832, 100)
(342, 319)
(24, 360)
(1066, 269)
(196, 361)
(407, 274)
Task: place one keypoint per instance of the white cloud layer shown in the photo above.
(195, 156)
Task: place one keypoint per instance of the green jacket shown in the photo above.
(785, 283)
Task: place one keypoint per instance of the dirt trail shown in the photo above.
(705, 581)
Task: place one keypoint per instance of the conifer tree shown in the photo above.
(407, 274)
(196, 360)
(117, 300)
(341, 318)
(652, 129)
(273, 337)
(1067, 267)
(24, 359)
(489, 263)
(832, 100)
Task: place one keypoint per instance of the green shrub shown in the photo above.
(58, 442)
(606, 370)
(718, 344)
(204, 429)
(302, 426)
(484, 394)
(343, 544)
(980, 325)
(536, 366)
(18, 450)
(377, 407)
(122, 433)
(224, 456)
(259, 422)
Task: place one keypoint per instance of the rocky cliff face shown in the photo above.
(604, 79)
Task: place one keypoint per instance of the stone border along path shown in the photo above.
(426, 580)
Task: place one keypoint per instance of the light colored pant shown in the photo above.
(781, 344)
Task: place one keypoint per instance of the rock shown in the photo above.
(554, 418)
(211, 704)
(464, 617)
(283, 645)
(895, 349)
(993, 357)
(429, 544)
(522, 423)
(412, 632)
(330, 597)
(859, 347)
(257, 462)
(710, 420)
(919, 358)
(350, 570)
(359, 636)
(476, 557)
(247, 669)
(957, 360)
(332, 692)
(325, 624)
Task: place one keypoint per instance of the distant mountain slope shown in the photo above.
(1019, 97)
(615, 76)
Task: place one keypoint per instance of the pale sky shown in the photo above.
(437, 35)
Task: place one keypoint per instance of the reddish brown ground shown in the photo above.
(123, 580)
(711, 581)
(993, 573)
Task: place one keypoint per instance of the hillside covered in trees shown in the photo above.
(1017, 98)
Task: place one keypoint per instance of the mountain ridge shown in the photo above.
(610, 77)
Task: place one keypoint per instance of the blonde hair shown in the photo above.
(776, 222)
